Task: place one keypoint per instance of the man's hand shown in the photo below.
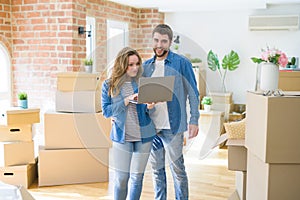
(193, 130)
(150, 105)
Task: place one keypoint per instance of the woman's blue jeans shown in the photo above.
(167, 145)
(130, 160)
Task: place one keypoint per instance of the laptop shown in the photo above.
(155, 89)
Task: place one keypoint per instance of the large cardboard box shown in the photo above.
(271, 181)
(78, 101)
(237, 155)
(15, 115)
(20, 132)
(272, 128)
(78, 81)
(16, 153)
(289, 80)
(72, 166)
(23, 175)
(76, 130)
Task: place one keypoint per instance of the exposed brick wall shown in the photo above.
(5, 25)
(42, 39)
(44, 43)
(148, 19)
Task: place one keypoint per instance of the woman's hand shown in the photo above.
(130, 97)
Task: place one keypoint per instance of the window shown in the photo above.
(5, 78)
(117, 38)
(90, 38)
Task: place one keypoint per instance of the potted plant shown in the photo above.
(206, 102)
(88, 65)
(268, 68)
(229, 62)
(292, 63)
(22, 100)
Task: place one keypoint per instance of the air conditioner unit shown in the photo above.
(274, 22)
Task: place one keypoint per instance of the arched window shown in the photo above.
(5, 77)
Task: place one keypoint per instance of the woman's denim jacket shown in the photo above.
(185, 86)
(115, 108)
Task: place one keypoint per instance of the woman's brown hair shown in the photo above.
(119, 76)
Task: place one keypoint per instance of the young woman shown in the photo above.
(132, 129)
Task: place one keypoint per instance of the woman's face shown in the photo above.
(133, 66)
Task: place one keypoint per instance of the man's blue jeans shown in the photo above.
(167, 145)
(129, 161)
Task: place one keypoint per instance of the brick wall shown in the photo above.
(5, 25)
(42, 38)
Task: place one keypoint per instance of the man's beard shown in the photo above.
(161, 55)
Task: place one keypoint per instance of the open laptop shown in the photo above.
(155, 89)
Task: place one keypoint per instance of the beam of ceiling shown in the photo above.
(201, 5)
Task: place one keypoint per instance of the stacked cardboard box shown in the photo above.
(237, 161)
(76, 134)
(272, 140)
(18, 163)
(222, 102)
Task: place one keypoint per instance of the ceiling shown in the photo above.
(202, 5)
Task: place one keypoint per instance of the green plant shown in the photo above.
(22, 96)
(206, 100)
(88, 61)
(293, 61)
(176, 46)
(229, 62)
(195, 60)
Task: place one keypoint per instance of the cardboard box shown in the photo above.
(21, 132)
(13, 116)
(78, 101)
(272, 181)
(237, 155)
(78, 81)
(241, 184)
(272, 128)
(16, 153)
(76, 130)
(221, 97)
(72, 166)
(289, 81)
(23, 175)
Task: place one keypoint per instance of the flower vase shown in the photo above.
(268, 76)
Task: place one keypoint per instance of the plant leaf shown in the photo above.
(213, 61)
(257, 60)
(231, 61)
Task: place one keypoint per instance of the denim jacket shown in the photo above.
(115, 108)
(184, 87)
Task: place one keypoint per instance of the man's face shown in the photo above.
(161, 45)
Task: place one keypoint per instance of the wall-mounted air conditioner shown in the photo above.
(274, 22)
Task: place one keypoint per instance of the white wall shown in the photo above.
(223, 31)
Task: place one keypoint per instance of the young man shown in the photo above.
(170, 118)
